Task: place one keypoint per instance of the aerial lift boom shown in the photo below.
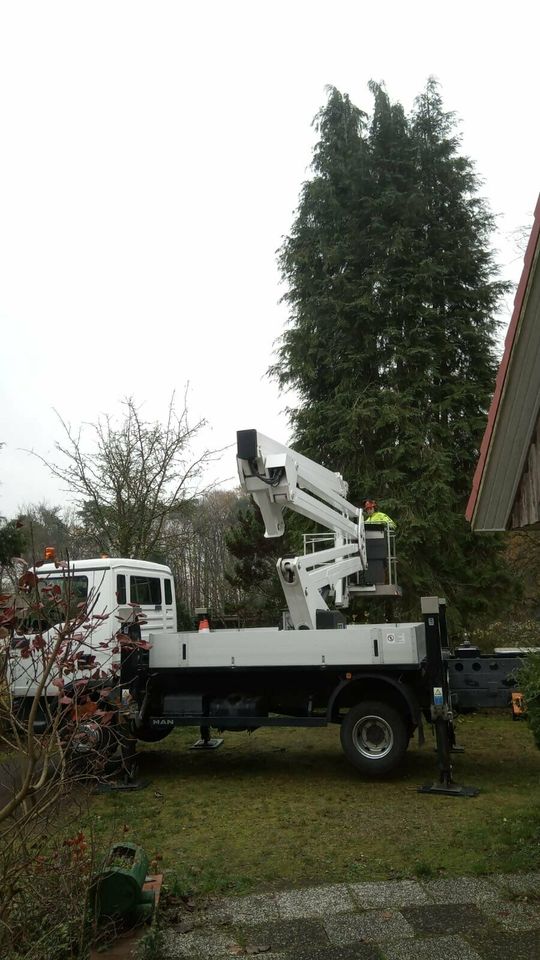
(279, 478)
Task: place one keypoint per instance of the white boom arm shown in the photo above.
(277, 478)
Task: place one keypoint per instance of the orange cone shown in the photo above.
(204, 626)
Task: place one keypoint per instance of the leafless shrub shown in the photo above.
(70, 728)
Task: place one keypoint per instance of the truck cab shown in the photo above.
(114, 582)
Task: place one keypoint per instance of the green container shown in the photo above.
(117, 890)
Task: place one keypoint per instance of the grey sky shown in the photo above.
(152, 156)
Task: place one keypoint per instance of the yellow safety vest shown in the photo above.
(380, 517)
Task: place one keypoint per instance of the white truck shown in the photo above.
(372, 680)
(115, 583)
(314, 668)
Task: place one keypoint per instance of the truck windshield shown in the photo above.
(53, 591)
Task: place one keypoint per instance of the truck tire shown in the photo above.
(152, 734)
(374, 737)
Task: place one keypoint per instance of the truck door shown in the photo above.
(148, 591)
(169, 606)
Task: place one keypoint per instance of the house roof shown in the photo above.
(513, 415)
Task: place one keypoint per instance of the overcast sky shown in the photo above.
(151, 160)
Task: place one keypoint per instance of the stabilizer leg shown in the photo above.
(206, 742)
(434, 612)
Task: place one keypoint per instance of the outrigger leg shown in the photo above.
(206, 742)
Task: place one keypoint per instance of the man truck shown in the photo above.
(377, 682)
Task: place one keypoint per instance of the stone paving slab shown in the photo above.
(465, 918)
(506, 946)
(353, 951)
(372, 926)
(315, 902)
(438, 948)
(287, 935)
(252, 909)
(390, 893)
(444, 918)
(514, 916)
(462, 890)
(204, 944)
(523, 883)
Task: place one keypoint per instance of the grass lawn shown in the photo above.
(284, 807)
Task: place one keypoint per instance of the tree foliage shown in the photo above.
(528, 678)
(392, 293)
(253, 574)
(12, 541)
(252, 570)
(45, 525)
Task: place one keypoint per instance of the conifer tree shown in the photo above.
(12, 541)
(392, 293)
(253, 569)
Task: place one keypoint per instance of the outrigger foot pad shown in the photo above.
(211, 744)
(449, 790)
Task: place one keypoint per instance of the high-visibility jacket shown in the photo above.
(380, 517)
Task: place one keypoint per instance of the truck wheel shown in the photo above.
(152, 734)
(374, 738)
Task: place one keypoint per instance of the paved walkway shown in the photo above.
(459, 919)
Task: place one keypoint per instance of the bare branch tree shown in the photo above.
(131, 476)
(197, 551)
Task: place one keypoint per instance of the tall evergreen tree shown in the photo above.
(392, 292)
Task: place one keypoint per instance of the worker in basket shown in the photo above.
(372, 514)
